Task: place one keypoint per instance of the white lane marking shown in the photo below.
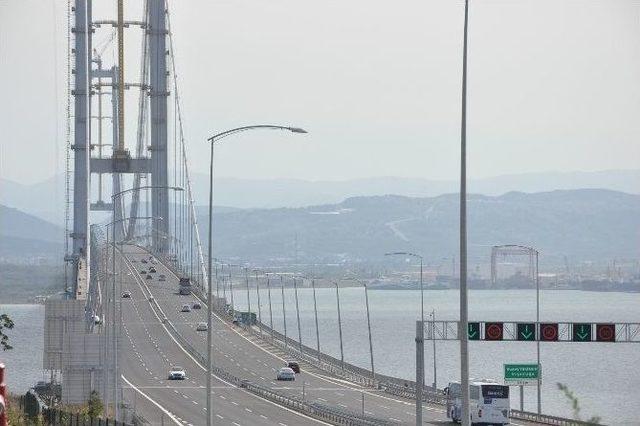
(164, 410)
(140, 283)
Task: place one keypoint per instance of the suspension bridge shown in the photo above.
(98, 340)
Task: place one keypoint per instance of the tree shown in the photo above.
(94, 405)
(5, 324)
(575, 404)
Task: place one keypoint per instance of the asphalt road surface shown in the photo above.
(149, 351)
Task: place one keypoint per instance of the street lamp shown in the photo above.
(464, 303)
(139, 188)
(417, 256)
(213, 140)
(532, 253)
(420, 376)
(366, 301)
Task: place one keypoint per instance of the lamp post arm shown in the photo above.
(226, 133)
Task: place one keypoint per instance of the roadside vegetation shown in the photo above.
(575, 404)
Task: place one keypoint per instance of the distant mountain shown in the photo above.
(246, 193)
(46, 199)
(585, 224)
(23, 235)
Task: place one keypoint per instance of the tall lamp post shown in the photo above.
(366, 301)
(421, 353)
(212, 141)
(464, 304)
(417, 256)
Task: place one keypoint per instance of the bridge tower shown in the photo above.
(86, 77)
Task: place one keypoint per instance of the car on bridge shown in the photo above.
(294, 366)
(126, 295)
(285, 373)
(177, 373)
(202, 326)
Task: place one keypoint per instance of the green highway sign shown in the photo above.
(581, 332)
(474, 331)
(526, 331)
(521, 374)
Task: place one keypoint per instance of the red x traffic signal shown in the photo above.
(493, 331)
(605, 332)
(549, 332)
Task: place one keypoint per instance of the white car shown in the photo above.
(285, 373)
(202, 326)
(185, 308)
(177, 373)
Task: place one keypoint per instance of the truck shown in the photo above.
(246, 318)
(185, 286)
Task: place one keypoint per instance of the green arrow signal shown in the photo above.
(582, 334)
(472, 332)
(526, 334)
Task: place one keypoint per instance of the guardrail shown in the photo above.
(392, 385)
(320, 412)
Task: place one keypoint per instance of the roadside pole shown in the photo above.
(246, 278)
(259, 308)
(340, 327)
(419, 370)
(295, 289)
(270, 306)
(284, 316)
(315, 310)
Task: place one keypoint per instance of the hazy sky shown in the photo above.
(553, 85)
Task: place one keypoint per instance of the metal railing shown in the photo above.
(321, 412)
(389, 384)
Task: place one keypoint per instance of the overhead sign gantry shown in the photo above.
(536, 331)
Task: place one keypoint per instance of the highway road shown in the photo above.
(239, 353)
(146, 355)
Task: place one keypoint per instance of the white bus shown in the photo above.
(488, 402)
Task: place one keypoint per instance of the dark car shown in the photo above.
(149, 277)
(126, 295)
(144, 261)
(294, 366)
(152, 270)
(196, 305)
(143, 272)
